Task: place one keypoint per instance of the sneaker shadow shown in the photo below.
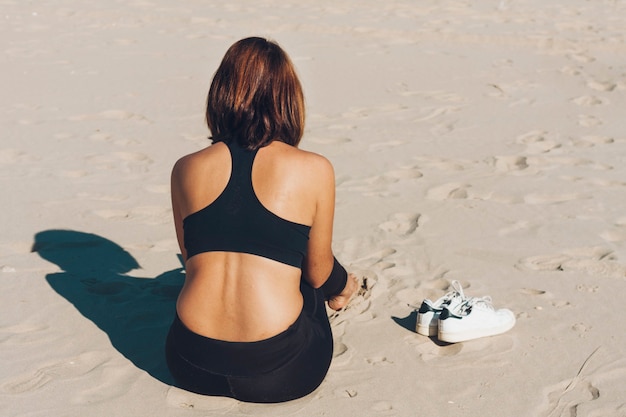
(135, 313)
(409, 323)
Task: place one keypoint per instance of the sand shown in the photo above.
(483, 142)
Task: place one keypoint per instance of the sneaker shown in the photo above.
(472, 319)
(428, 313)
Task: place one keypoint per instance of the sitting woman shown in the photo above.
(254, 221)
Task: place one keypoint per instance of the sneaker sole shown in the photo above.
(426, 330)
(455, 337)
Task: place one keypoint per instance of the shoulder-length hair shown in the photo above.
(255, 96)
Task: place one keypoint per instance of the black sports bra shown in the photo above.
(237, 221)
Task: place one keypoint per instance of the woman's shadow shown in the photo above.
(134, 312)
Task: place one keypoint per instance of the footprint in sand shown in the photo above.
(538, 141)
(567, 397)
(580, 394)
(57, 371)
(544, 262)
(497, 91)
(401, 223)
(434, 113)
(569, 70)
(587, 120)
(589, 101)
(404, 173)
(518, 226)
(581, 328)
(597, 261)
(448, 191)
(601, 85)
(543, 146)
(378, 361)
(591, 141)
(509, 163)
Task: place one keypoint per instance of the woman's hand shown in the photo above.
(340, 301)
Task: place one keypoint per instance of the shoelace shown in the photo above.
(484, 302)
(457, 292)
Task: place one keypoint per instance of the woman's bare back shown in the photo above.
(239, 296)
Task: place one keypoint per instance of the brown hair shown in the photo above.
(255, 96)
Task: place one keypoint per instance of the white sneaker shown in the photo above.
(472, 319)
(428, 313)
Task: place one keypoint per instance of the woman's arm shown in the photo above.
(321, 268)
(319, 260)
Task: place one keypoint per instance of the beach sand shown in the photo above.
(483, 142)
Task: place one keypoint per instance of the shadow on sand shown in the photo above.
(134, 312)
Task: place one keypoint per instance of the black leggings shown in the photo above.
(284, 367)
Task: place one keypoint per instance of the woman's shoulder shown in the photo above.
(306, 160)
(310, 169)
(200, 160)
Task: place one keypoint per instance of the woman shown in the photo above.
(254, 220)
